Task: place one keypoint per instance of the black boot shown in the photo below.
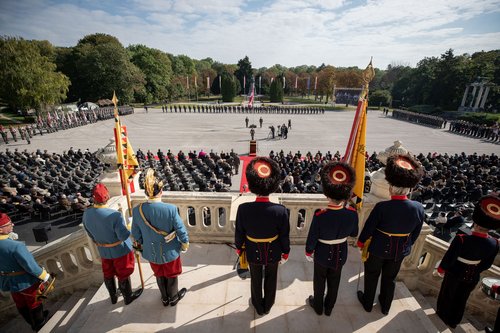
(26, 314)
(361, 299)
(126, 289)
(162, 284)
(39, 317)
(111, 286)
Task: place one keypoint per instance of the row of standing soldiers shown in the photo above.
(415, 117)
(476, 130)
(214, 108)
(59, 121)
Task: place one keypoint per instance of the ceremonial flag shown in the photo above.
(272, 79)
(296, 81)
(208, 82)
(187, 82)
(126, 159)
(250, 100)
(195, 83)
(355, 154)
(315, 83)
(244, 84)
(308, 83)
(283, 82)
(260, 83)
(220, 83)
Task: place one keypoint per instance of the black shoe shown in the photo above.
(111, 286)
(489, 330)
(361, 300)
(126, 289)
(180, 295)
(311, 303)
(39, 318)
(385, 312)
(26, 314)
(328, 312)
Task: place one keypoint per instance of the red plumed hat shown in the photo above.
(100, 193)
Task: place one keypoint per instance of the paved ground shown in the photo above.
(194, 131)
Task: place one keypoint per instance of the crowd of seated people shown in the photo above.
(476, 130)
(42, 184)
(203, 172)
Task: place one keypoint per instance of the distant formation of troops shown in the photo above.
(476, 130)
(216, 108)
(57, 120)
(419, 118)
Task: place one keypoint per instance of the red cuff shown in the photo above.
(495, 288)
(284, 256)
(309, 254)
(440, 270)
(238, 252)
(360, 244)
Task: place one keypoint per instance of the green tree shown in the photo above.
(103, 67)
(229, 88)
(276, 90)
(380, 98)
(244, 73)
(29, 79)
(157, 69)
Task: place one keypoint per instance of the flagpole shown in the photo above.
(123, 180)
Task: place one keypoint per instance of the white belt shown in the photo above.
(333, 241)
(468, 262)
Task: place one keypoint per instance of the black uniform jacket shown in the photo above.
(262, 220)
(469, 255)
(394, 226)
(333, 223)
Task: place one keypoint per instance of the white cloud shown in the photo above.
(287, 32)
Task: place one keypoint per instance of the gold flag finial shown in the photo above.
(368, 73)
(115, 100)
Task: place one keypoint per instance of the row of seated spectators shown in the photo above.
(419, 118)
(43, 184)
(203, 172)
(475, 130)
(214, 108)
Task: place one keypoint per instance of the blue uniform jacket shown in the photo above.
(165, 217)
(106, 226)
(330, 224)
(396, 216)
(262, 220)
(470, 247)
(15, 257)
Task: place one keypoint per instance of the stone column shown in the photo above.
(479, 95)
(473, 95)
(485, 96)
(465, 96)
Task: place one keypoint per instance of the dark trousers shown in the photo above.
(325, 275)
(452, 299)
(389, 269)
(268, 273)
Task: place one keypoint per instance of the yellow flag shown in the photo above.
(359, 157)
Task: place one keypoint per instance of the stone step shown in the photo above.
(219, 301)
(68, 313)
(428, 305)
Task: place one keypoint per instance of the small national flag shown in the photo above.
(315, 83)
(308, 83)
(283, 82)
(250, 100)
(244, 84)
(208, 82)
(296, 81)
(195, 82)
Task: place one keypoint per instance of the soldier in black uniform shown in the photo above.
(262, 231)
(390, 231)
(466, 258)
(327, 238)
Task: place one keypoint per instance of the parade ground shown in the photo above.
(222, 132)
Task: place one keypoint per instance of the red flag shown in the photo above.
(244, 84)
(296, 78)
(250, 100)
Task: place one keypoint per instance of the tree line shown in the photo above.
(36, 74)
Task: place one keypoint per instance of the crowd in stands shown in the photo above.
(203, 172)
(59, 120)
(43, 184)
(419, 118)
(218, 108)
(476, 130)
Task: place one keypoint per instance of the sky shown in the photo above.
(291, 33)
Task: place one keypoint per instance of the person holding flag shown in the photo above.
(106, 227)
(390, 231)
(21, 275)
(262, 232)
(326, 243)
(159, 232)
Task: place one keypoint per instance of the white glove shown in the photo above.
(13, 236)
(309, 258)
